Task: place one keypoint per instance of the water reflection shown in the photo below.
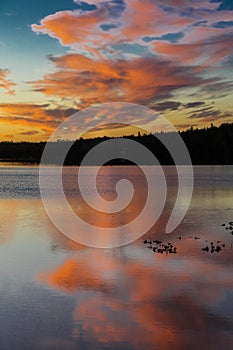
(7, 223)
(58, 294)
(143, 304)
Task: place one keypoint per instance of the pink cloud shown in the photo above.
(98, 69)
(82, 30)
(76, 29)
(201, 54)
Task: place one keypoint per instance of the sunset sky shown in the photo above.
(58, 57)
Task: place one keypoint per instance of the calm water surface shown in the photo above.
(57, 294)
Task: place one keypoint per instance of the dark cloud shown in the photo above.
(217, 89)
(115, 8)
(226, 116)
(209, 114)
(205, 109)
(29, 133)
(200, 23)
(168, 105)
(167, 9)
(175, 105)
(60, 113)
(205, 113)
(194, 104)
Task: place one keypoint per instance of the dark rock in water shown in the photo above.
(172, 251)
(157, 241)
(223, 225)
(147, 241)
(206, 249)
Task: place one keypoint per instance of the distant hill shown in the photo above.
(208, 146)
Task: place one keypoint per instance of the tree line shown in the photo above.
(207, 146)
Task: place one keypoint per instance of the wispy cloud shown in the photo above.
(113, 23)
(5, 83)
(140, 80)
(40, 118)
(168, 105)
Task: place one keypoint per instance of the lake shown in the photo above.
(58, 294)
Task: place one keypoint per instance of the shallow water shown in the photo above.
(58, 294)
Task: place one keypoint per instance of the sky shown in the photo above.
(59, 57)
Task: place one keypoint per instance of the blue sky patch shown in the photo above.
(171, 37)
(106, 27)
(223, 24)
(134, 49)
(224, 4)
(86, 7)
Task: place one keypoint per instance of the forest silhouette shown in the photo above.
(207, 146)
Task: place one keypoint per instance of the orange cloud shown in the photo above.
(25, 114)
(93, 81)
(100, 69)
(32, 121)
(6, 83)
(76, 28)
